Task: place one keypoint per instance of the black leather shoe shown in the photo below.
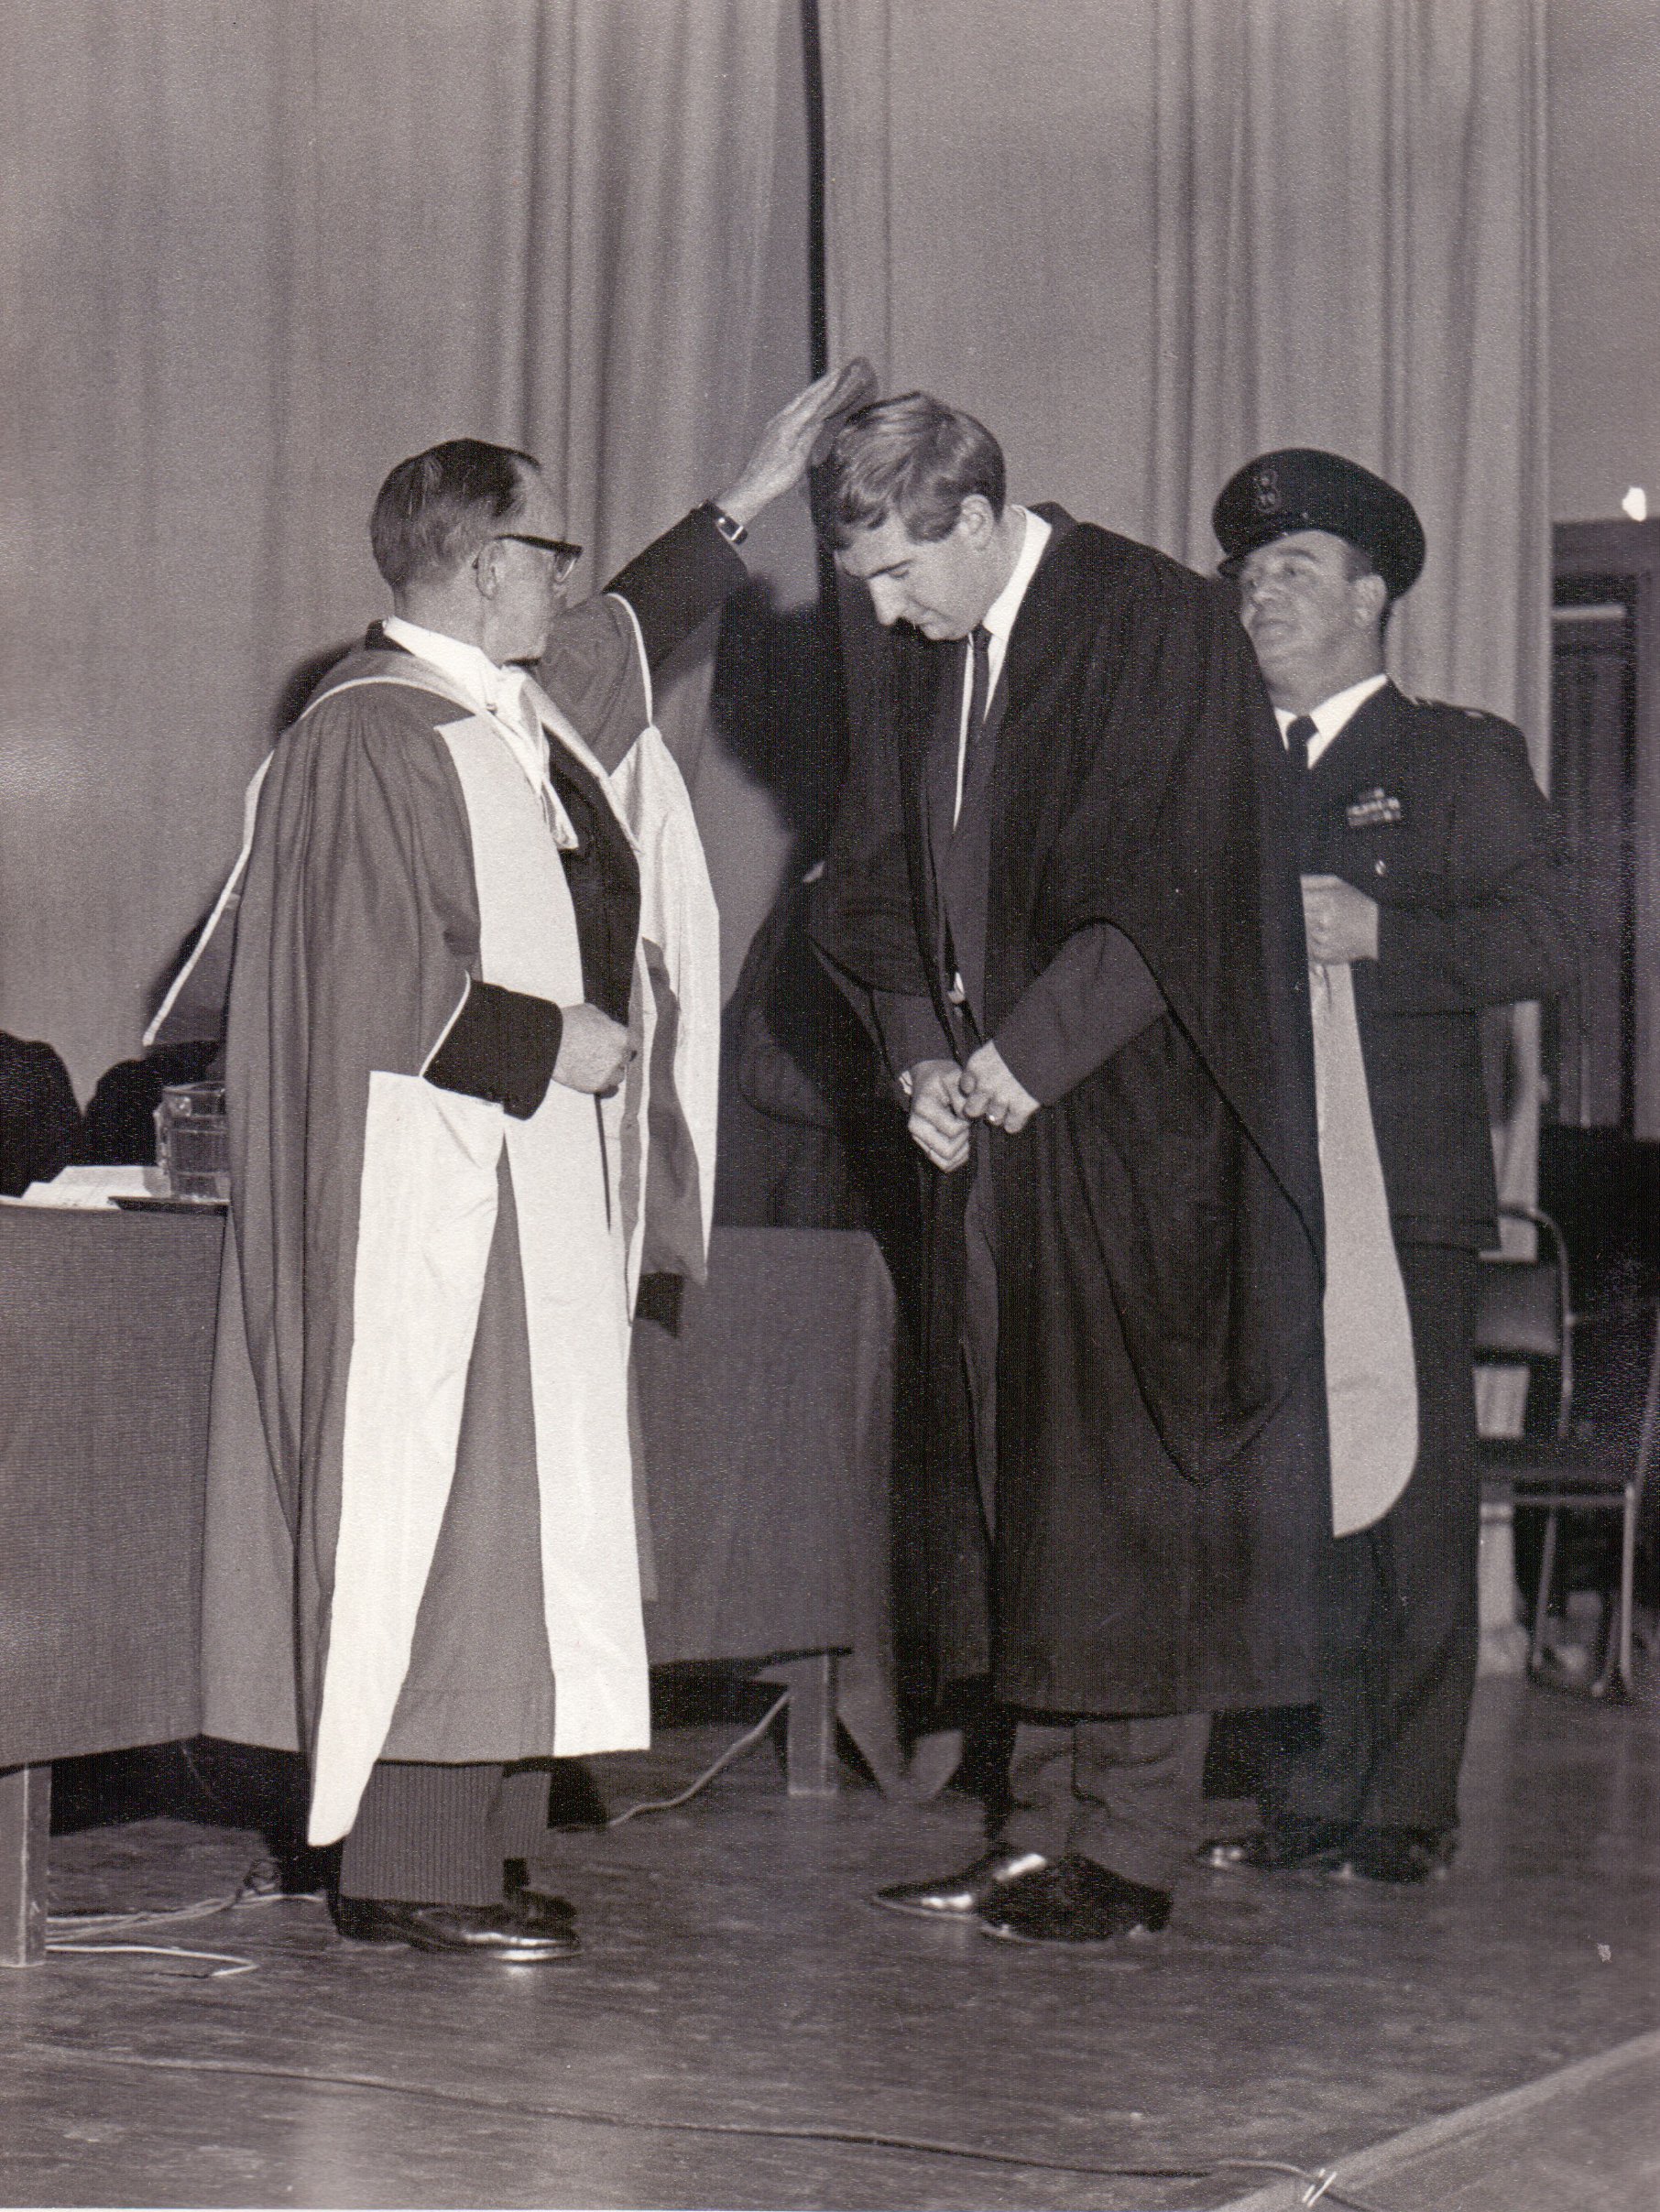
(499, 1932)
(1397, 1855)
(535, 1905)
(1286, 1846)
(1075, 1902)
(540, 1915)
(960, 1896)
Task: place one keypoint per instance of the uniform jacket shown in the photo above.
(1433, 812)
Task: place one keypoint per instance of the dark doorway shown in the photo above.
(1602, 1048)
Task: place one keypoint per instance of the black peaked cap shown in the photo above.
(1301, 488)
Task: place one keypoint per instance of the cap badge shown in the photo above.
(1265, 489)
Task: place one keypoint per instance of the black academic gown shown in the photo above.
(1161, 1482)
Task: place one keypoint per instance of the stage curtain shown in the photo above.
(254, 256)
(1146, 239)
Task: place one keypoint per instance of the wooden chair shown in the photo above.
(1524, 1315)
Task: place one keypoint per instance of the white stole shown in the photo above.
(1371, 1390)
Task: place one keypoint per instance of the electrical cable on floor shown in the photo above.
(747, 1741)
(224, 1963)
(90, 1934)
(85, 1932)
(1317, 2187)
(1320, 2187)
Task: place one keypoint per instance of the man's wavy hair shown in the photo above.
(913, 457)
(436, 509)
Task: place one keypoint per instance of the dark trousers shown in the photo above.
(1399, 1630)
(1120, 1790)
(440, 1835)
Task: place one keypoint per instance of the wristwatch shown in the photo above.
(733, 532)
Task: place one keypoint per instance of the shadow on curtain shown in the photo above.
(252, 258)
(1144, 239)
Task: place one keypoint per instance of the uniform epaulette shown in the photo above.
(1446, 706)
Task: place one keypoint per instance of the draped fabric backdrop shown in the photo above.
(254, 256)
(1145, 239)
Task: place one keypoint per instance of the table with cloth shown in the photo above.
(765, 1405)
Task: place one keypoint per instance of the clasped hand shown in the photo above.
(945, 1100)
(1340, 923)
(593, 1051)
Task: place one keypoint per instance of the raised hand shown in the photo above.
(782, 451)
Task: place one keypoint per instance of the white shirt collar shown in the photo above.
(504, 694)
(1001, 615)
(1332, 715)
(483, 681)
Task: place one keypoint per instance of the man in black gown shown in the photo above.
(1061, 891)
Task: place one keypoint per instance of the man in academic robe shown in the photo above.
(1433, 887)
(470, 1086)
(1061, 889)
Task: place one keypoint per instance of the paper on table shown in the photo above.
(90, 1188)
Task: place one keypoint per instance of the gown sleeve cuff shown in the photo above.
(501, 1047)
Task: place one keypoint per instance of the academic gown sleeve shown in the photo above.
(861, 917)
(909, 1028)
(356, 939)
(679, 580)
(590, 665)
(501, 1047)
(1092, 998)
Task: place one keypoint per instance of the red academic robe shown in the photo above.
(421, 1540)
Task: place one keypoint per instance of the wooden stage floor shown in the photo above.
(742, 2031)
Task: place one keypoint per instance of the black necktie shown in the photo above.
(1299, 733)
(979, 686)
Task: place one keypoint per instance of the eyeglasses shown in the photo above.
(565, 554)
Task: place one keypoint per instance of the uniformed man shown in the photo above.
(1432, 887)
